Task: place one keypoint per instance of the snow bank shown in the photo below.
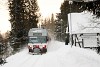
(54, 45)
(68, 56)
(84, 22)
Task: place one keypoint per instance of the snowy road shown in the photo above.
(58, 55)
(24, 59)
(21, 59)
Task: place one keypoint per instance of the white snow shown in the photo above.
(58, 55)
(84, 22)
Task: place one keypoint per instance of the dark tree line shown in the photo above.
(93, 6)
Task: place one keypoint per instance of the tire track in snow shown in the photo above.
(30, 61)
(24, 60)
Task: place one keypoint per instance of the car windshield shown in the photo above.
(39, 39)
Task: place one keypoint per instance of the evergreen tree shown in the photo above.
(58, 27)
(16, 13)
(31, 13)
(92, 6)
(63, 18)
(23, 16)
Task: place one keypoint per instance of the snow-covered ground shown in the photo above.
(58, 55)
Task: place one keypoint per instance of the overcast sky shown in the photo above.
(47, 7)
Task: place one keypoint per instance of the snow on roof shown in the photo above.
(84, 22)
(37, 30)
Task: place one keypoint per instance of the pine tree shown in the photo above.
(16, 13)
(62, 17)
(23, 16)
(31, 15)
(92, 6)
(58, 27)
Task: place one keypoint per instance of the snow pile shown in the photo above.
(58, 55)
(54, 45)
(84, 22)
